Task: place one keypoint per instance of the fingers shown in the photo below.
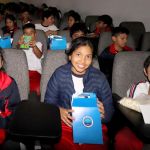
(101, 108)
(66, 116)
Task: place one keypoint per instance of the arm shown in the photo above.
(106, 99)
(52, 97)
(37, 49)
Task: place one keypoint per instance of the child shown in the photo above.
(104, 24)
(25, 16)
(143, 86)
(47, 24)
(34, 55)
(106, 58)
(78, 30)
(9, 99)
(73, 18)
(79, 76)
(10, 26)
(125, 136)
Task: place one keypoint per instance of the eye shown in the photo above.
(89, 56)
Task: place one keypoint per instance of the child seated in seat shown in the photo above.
(10, 26)
(34, 54)
(126, 138)
(78, 76)
(106, 58)
(76, 31)
(73, 18)
(104, 24)
(9, 99)
(25, 16)
(47, 24)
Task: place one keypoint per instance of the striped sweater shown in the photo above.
(60, 88)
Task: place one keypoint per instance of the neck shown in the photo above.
(118, 48)
(45, 23)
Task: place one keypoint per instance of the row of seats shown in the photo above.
(16, 66)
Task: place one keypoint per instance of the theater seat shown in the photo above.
(128, 69)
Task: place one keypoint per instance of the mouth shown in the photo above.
(81, 66)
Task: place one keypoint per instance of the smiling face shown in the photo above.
(50, 20)
(81, 59)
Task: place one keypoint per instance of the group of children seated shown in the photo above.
(76, 76)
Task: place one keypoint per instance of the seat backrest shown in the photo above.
(40, 36)
(65, 33)
(105, 40)
(145, 44)
(16, 66)
(89, 20)
(53, 60)
(127, 69)
(136, 28)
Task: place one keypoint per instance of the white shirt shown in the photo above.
(78, 84)
(138, 89)
(45, 29)
(34, 63)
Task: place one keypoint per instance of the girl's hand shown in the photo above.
(101, 108)
(66, 117)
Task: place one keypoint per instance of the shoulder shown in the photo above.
(64, 69)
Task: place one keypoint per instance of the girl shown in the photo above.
(79, 76)
(10, 26)
(9, 98)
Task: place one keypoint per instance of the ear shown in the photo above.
(113, 38)
(145, 72)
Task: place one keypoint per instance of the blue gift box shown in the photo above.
(5, 42)
(57, 42)
(87, 126)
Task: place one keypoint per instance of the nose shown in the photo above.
(83, 59)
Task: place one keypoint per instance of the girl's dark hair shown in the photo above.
(75, 15)
(147, 63)
(76, 43)
(10, 17)
(2, 58)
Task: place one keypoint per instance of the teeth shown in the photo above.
(81, 66)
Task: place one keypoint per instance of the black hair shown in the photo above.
(47, 14)
(76, 43)
(147, 63)
(78, 27)
(106, 19)
(10, 17)
(119, 30)
(28, 25)
(75, 15)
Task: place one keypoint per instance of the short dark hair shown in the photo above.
(119, 30)
(47, 14)
(106, 19)
(75, 15)
(28, 25)
(76, 43)
(78, 27)
(147, 63)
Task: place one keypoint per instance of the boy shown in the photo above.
(34, 55)
(119, 39)
(104, 24)
(76, 31)
(47, 24)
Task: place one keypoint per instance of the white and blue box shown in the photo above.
(87, 126)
